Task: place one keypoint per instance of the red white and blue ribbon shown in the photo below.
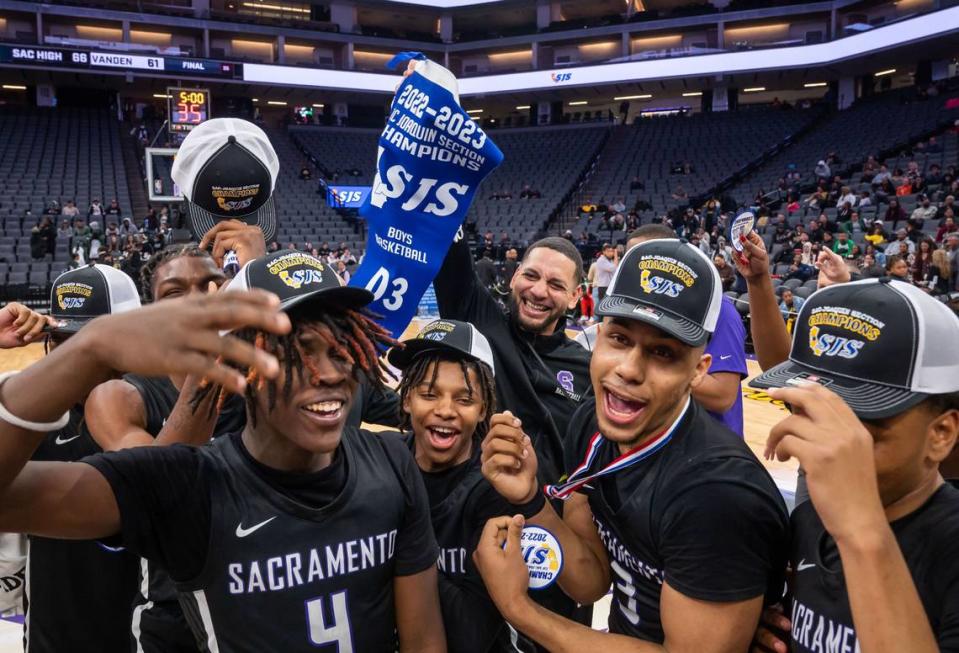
(576, 478)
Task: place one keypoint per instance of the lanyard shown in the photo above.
(576, 478)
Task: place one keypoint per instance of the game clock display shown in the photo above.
(188, 107)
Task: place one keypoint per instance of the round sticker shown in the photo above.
(742, 226)
(543, 556)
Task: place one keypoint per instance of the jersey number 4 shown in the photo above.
(338, 632)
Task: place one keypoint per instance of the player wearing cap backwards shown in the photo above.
(294, 534)
(79, 594)
(665, 503)
(874, 552)
(448, 396)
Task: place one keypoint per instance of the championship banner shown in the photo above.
(431, 158)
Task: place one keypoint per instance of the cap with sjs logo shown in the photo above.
(227, 170)
(444, 335)
(86, 293)
(881, 345)
(297, 277)
(669, 284)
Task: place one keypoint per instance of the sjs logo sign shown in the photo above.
(543, 556)
(560, 77)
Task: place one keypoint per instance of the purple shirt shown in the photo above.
(728, 349)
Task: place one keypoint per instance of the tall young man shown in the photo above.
(662, 502)
(873, 552)
(79, 594)
(295, 533)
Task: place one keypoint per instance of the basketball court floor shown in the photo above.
(759, 410)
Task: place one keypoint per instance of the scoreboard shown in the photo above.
(187, 107)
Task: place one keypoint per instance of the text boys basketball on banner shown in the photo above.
(431, 158)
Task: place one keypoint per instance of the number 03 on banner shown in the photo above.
(379, 284)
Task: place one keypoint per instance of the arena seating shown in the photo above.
(868, 128)
(715, 145)
(52, 155)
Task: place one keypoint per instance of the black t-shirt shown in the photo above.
(461, 501)
(269, 560)
(702, 514)
(821, 616)
(78, 594)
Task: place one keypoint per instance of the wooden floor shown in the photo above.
(760, 413)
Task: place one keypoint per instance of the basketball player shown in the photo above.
(721, 389)
(663, 502)
(448, 396)
(873, 552)
(292, 535)
(79, 594)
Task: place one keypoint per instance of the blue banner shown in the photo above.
(431, 159)
(346, 197)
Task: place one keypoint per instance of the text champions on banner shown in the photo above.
(431, 159)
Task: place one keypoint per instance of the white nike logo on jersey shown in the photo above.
(802, 566)
(60, 440)
(722, 358)
(243, 532)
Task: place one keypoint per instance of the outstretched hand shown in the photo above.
(753, 262)
(20, 325)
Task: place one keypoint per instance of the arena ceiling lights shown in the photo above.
(921, 28)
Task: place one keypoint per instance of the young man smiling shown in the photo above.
(873, 552)
(663, 502)
(295, 533)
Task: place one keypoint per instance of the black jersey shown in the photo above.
(79, 594)
(702, 514)
(821, 616)
(158, 620)
(461, 501)
(277, 561)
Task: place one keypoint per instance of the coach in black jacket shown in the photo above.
(541, 375)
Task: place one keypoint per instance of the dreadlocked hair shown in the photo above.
(352, 336)
(162, 257)
(428, 362)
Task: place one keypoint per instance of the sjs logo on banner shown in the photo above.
(430, 160)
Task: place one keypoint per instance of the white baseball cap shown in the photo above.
(227, 169)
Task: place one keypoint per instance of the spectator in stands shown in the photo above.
(894, 212)
(587, 208)
(844, 213)
(827, 239)
(922, 262)
(822, 170)
(897, 268)
(127, 228)
(65, 230)
(618, 205)
(870, 268)
(486, 269)
(726, 273)
(305, 173)
(342, 270)
(881, 176)
(843, 246)
(346, 256)
(815, 232)
(790, 304)
(680, 193)
(947, 227)
(95, 210)
(947, 205)
(817, 199)
(933, 146)
(938, 276)
(853, 226)
(925, 211)
(529, 193)
(113, 209)
(864, 199)
(605, 267)
(870, 169)
(70, 210)
(800, 270)
(846, 195)
(894, 248)
(509, 265)
(952, 252)
(632, 221)
(158, 186)
(933, 176)
(877, 235)
(885, 191)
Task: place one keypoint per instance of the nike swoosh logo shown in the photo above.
(722, 358)
(60, 440)
(243, 532)
(802, 566)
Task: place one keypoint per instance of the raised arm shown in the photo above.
(182, 336)
(766, 325)
(459, 293)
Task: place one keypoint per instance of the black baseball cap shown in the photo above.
(297, 277)
(86, 293)
(669, 284)
(444, 335)
(226, 169)
(881, 345)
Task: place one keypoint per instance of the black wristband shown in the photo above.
(533, 506)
